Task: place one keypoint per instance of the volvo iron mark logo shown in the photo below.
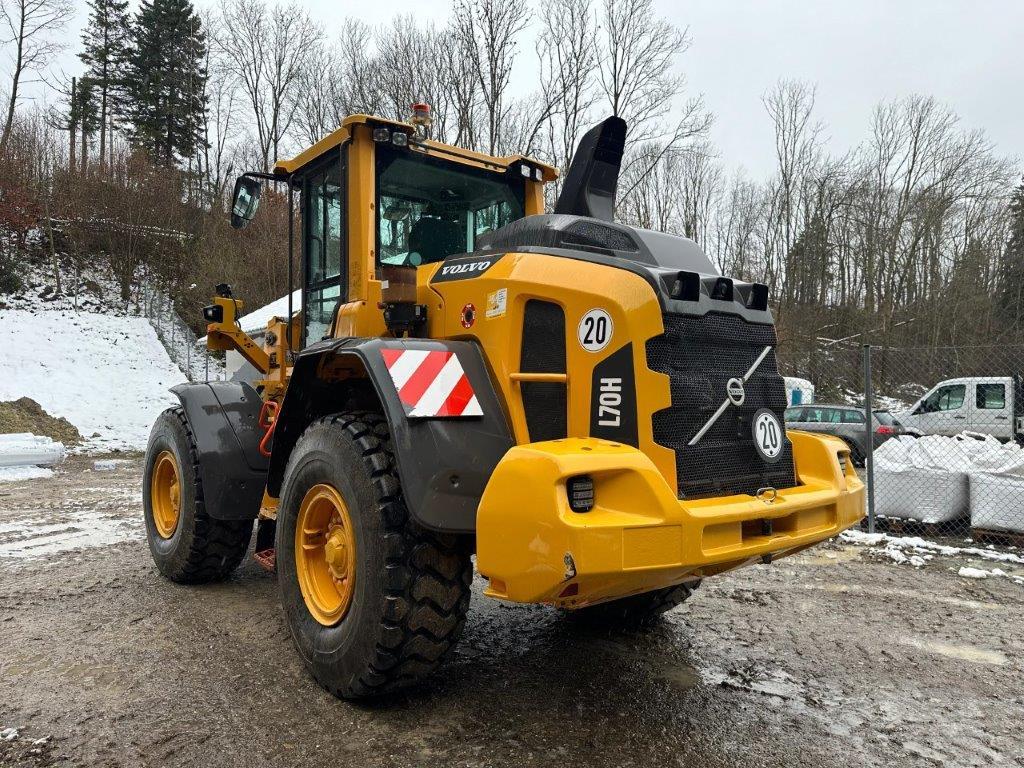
(734, 390)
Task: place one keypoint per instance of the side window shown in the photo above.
(991, 396)
(853, 417)
(949, 398)
(831, 415)
(794, 414)
(489, 218)
(323, 248)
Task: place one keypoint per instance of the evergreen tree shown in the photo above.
(105, 42)
(1011, 269)
(85, 115)
(167, 80)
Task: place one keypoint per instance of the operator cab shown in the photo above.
(428, 201)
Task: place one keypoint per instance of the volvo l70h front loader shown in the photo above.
(588, 407)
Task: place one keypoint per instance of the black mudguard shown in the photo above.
(443, 463)
(224, 418)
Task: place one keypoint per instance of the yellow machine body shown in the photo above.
(530, 545)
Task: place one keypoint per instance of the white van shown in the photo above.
(977, 403)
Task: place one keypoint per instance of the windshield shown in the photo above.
(428, 209)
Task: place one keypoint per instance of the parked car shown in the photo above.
(846, 422)
(985, 404)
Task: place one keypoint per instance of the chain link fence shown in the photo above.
(177, 338)
(941, 451)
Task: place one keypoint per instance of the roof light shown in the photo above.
(382, 134)
(538, 174)
(400, 139)
(525, 170)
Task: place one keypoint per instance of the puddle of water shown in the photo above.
(682, 676)
(961, 652)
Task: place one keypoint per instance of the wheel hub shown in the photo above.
(336, 553)
(165, 494)
(325, 554)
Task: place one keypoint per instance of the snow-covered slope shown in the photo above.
(105, 374)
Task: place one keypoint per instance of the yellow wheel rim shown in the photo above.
(165, 494)
(325, 554)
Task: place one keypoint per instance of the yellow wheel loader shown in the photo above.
(589, 408)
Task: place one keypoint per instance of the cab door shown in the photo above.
(991, 409)
(324, 257)
(944, 411)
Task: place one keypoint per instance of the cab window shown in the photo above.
(323, 248)
(947, 398)
(991, 396)
(428, 209)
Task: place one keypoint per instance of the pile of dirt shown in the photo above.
(26, 415)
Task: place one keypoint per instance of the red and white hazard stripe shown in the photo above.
(431, 383)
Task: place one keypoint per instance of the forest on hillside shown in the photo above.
(915, 236)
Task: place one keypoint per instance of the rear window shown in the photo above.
(991, 396)
(884, 417)
(822, 416)
(853, 417)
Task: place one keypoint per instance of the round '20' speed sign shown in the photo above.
(768, 435)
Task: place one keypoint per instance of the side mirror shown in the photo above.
(245, 201)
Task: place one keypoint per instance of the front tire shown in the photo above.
(188, 546)
(401, 592)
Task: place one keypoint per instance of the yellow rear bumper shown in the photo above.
(534, 548)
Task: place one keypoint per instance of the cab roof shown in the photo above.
(459, 154)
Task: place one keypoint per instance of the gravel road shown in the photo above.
(836, 656)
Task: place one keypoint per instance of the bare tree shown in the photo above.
(488, 32)
(360, 83)
(269, 49)
(568, 55)
(219, 124)
(640, 85)
(321, 101)
(33, 27)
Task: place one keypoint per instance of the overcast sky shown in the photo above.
(967, 53)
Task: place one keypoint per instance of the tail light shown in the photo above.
(884, 430)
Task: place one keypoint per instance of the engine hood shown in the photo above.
(683, 277)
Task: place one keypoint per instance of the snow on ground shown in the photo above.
(917, 552)
(83, 529)
(918, 545)
(107, 375)
(15, 474)
(977, 573)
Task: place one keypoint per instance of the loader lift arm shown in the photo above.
(223, 333)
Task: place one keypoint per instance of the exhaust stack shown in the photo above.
(593, 175)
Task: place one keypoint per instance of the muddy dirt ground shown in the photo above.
(836, 656)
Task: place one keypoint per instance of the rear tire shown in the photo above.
(188, 546)
(407, 605)
(637, 610)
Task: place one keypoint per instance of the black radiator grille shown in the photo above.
(543, 351)
(700, 354)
